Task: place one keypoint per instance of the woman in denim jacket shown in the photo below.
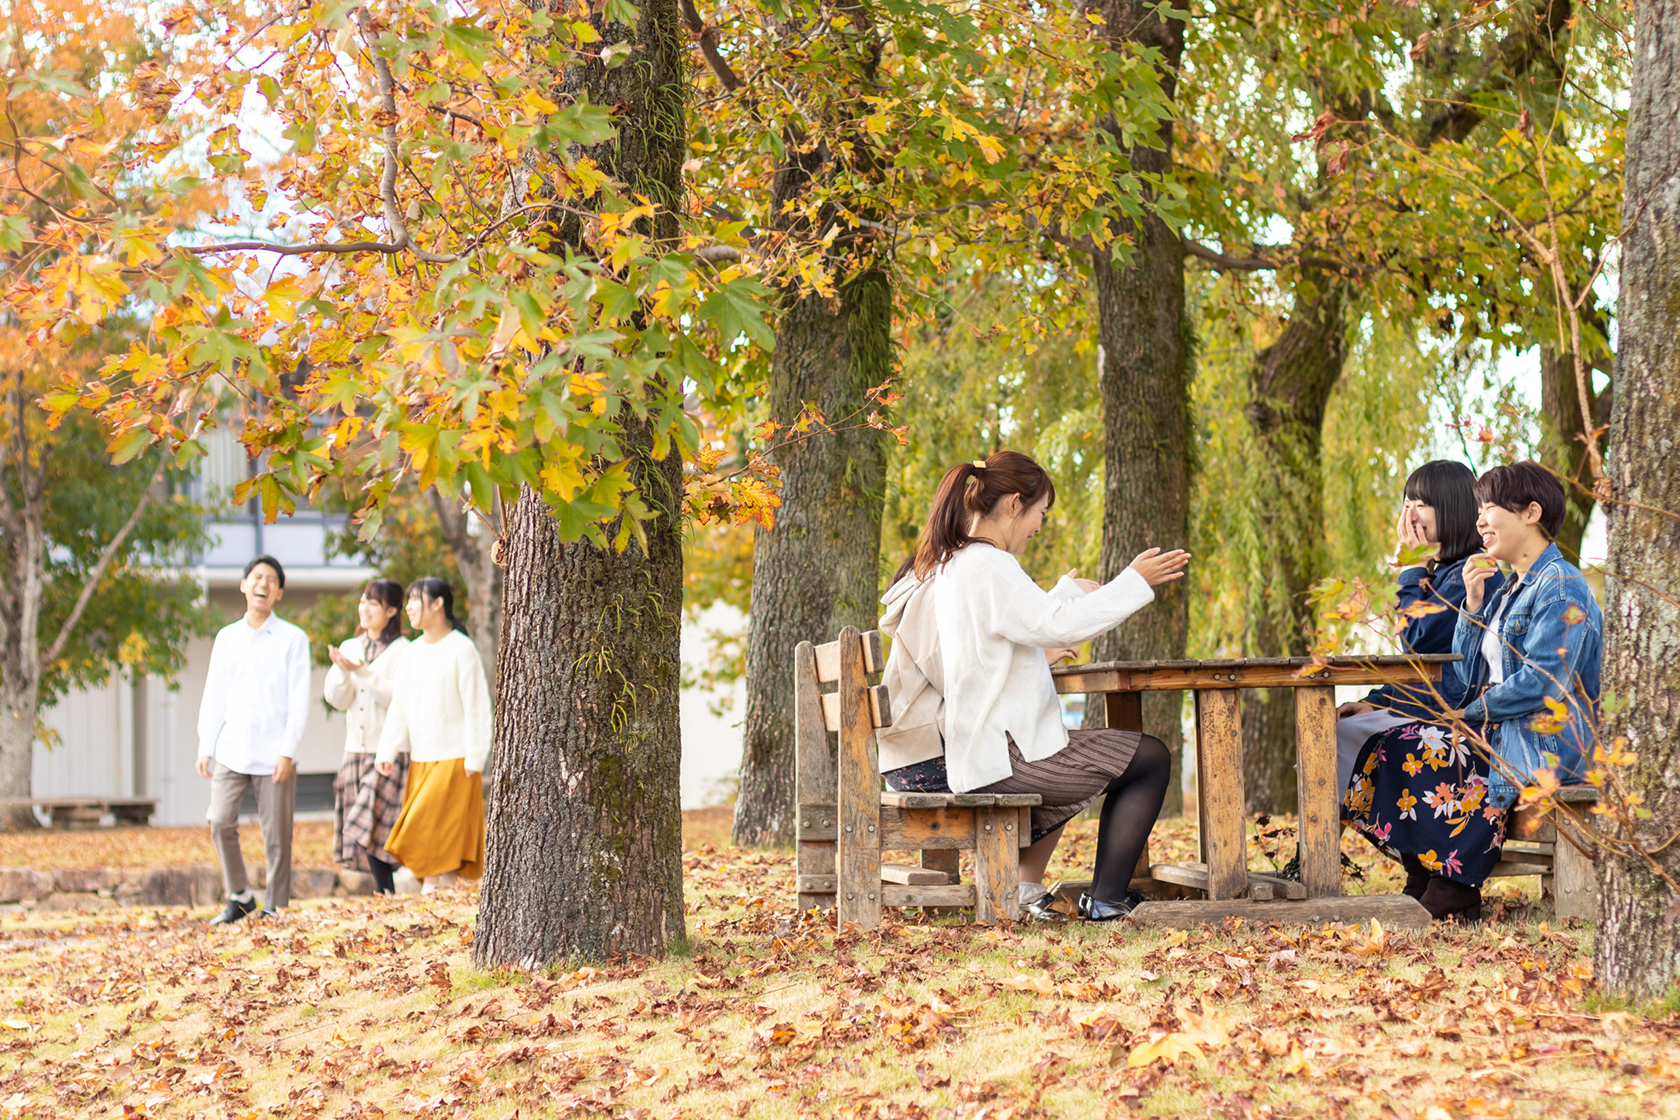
(1538, 637)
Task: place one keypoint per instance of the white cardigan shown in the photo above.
(365, 694)
(994, 626)
(440, 705)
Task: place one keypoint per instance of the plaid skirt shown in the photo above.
(1068, 781)
(366, 805)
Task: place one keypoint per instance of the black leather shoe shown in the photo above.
(1041, 909)
(1449, 901)
(235, 911)
(1096, 910)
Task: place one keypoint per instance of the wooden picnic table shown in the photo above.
(1221, 821)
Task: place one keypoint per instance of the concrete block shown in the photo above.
(86, 879)
(355, 882)
(313, 882)
(75, 900)
(194, 885)
(18, 884)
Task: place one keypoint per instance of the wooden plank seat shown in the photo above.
(1533, 846)
(82, 813)
(846, 820)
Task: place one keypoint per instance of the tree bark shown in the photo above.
(1144, 378)
(584, 851)
(1561, 445)
(818, 569)
(1637, 951)
(1290, 383)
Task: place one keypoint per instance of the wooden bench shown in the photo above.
(82, 813)
(1534, 847)
(846, 820)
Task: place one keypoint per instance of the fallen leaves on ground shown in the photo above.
(370, 1009)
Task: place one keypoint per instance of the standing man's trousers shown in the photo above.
(274, 813)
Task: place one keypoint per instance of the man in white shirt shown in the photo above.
(256, 699)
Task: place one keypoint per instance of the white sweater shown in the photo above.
(440, 705)
(994, 626)
(363, 696)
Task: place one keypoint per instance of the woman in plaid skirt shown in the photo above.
(359, 684)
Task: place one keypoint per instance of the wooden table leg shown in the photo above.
(1124, 710)
(1315, 786)
(1219, 786)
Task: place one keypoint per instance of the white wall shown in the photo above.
(711, 744)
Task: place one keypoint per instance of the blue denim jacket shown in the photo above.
(1431, 633)
(1550, 650)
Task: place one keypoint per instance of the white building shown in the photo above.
(140, 739)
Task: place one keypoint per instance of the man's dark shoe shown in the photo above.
(235, 911)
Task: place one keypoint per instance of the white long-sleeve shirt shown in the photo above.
(256, 695)
(440, 704)
(994, 626)
(363, 696)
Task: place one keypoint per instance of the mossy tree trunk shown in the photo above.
(1637, 951)
(818, 569)
(1144, 378)
(584, 853)
(1562, 446)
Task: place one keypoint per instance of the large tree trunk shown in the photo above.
(1561, 444)
(1144, 377)
(1290, 383)
(584, 852)
(818, 569)
(18, 707)
(1638, 952)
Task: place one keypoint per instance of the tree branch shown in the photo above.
(706, 37)
(97, 572)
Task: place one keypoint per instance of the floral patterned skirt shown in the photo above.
(1416, 792)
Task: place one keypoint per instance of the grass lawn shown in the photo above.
(361, 1008)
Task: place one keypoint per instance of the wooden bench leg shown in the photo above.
(860, 793)
(997, 864)
(814, 779)
(1574, 885)
(1219, 788)
(1315, 787)
(948, 861)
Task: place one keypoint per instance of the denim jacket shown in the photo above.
(1431, 633)
(1553, 637)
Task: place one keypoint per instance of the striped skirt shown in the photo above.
(366, 804)
(1068, 781)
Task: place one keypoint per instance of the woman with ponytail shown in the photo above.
(997, 632)
(440, 714)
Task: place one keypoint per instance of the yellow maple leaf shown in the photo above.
(1167, 1049)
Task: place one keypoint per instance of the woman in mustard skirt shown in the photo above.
(440, 714)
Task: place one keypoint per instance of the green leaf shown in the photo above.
(129, 444)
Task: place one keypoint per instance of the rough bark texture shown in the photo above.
(1638, 947)
(584, 852)
(1290, 384)
(1144, 379)
(1289, 389)
(1561, 445)
(818, 569)
(482, 579)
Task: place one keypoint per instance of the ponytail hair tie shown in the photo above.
(978, 464)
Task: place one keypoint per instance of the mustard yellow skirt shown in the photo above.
(441, 826)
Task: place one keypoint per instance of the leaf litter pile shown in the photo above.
(363, 1008)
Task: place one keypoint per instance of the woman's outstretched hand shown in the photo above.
(1157, 567)
(1085, 585)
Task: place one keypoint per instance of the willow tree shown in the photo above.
(498, 293)
(899, 143)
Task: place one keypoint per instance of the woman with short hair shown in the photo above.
(1002, 720)
(366, 801)
(1426, 791)
(440, 710)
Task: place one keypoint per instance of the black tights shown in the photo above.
(1133, 802)
(384, 875)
